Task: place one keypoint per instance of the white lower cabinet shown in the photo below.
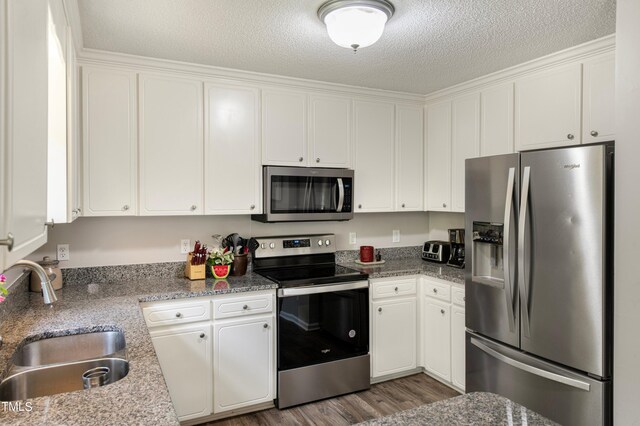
(243, 363)
(457, 346)
(184, 353)
(437, 338)
(215, 362)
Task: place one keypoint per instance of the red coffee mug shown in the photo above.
(366, 253)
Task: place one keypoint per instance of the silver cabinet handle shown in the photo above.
(8, 241)
(202, 335)
(75, 211)
(193, 207)
(594, 133)
(522, 226)
(508, 207)
(317, 160)
(379, 309)
(125, 207)
(253, 206)
(265, 326)
(442, 311)
(245, 307)
(435, 290)
(396, 289)
(300, 159)
(570, 136)
(359, 206)
(444, 204)
(178, 315)
(403, 205)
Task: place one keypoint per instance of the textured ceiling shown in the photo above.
(427, 45)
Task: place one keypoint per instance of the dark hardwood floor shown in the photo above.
(381, 400)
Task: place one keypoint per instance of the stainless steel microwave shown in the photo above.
(296, 194)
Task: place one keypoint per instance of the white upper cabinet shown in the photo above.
(496, 120)
(171, 145)
(74, 137)
(284, 128)
(598, 108)
(547, 108)
(109, 142)
(232, 137)
(374, 135)
(409, 158)
(23, 139)
(329, 131)
(438, 162)
(465, 137)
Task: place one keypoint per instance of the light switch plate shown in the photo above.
(352, 238)
(63, 252)
(396, 235)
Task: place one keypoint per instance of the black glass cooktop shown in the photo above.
(312, 275)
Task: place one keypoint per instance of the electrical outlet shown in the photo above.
(63, 252)
(352, 238)
(396, 235)
(185, 246)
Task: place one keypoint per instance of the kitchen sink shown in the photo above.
(60, 378)
(76, 347)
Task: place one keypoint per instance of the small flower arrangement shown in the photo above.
(220, 262)
(3, 290)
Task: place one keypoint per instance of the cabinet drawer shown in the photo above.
(437, 290)
(394, 288)
(240, 306)
(457, 296)
(176, 312)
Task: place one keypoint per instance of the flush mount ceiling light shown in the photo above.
(355, 23)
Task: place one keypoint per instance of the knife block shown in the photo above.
(195, 272)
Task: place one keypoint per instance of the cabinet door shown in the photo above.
(185, 358)
(409, 158)
(394, 336)
(232, 137)
(329, 131)
(109, 142)
(465, 143)
(23, 132)
(437, 338)
(244, 369)
(374, 164)
(496, 120)
(284, 128)
(439, 157)
(598, 111)
(74, 140)
(548, 108)
(458, 370)
(171, 146)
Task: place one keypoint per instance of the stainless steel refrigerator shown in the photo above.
(539, 280)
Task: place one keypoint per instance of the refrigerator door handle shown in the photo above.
(522, 278)
(508, 207)
(531, 369)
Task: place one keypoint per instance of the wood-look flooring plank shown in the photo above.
(381, 400)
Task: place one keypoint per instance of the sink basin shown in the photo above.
(59, 378)
(76, 347)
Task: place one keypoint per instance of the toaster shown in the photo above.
(436, 251)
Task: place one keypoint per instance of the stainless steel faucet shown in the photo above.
(48, 293)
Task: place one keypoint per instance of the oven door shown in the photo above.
(306, 194)
(318, 324)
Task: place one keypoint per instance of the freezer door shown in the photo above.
(491, 200)
(561, 395)
(564, 273)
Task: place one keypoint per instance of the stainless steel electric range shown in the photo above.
(323, 318)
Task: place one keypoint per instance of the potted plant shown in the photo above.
(220, 262)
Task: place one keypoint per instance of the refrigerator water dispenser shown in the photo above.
(488, 267)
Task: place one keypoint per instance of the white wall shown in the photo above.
(129, 240)
(440, 223)
(626, 375)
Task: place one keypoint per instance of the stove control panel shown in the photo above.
(295, 245)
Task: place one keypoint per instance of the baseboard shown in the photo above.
(231, 413)
(452, 386)
(406, 373)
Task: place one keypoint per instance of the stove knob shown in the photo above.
(272, 245)
(319, 243)
(327, 243)
(263, 246)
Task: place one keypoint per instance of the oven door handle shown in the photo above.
(316, 289)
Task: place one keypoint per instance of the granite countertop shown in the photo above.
(472, 409)
(142, 396)
(410, 266)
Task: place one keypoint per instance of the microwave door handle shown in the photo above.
(340, 195)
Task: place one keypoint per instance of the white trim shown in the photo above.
(73, 21)
(146, 64)
(572, 54)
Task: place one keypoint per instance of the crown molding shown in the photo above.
(142, 63)
(73, 21)
(572, 54)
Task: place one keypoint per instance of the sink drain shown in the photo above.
(96, 377)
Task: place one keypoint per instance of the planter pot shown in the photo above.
(220, 271)
(239, 265)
